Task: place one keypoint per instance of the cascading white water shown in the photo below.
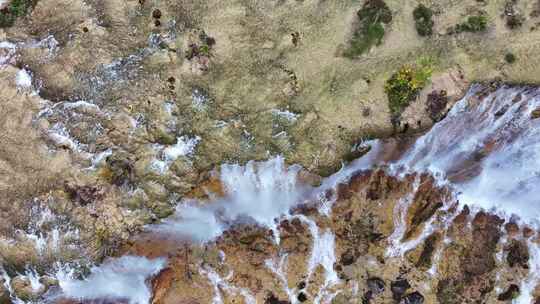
(219, 284)
(279, 268)
(258, 192)
(123, 278)
(184, 146)
(395, 248)
(498, 135)
(495, 135)
(529, 284)
(488, 150)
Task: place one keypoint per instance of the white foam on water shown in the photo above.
(279, 268)
(23, 79)
(49, 43)
(7, 51)
(199, 100)
(7, 280)
(365, 162)
(259, 192)
(46, 232)
(285, 114)
(196, 222)
(121, 278)
(527, 287)
(61, 137)
(34, 279)
(99, 158)
(401, 207)
(219, 284)
(323, 254)
(185, 146)
(437, 257)
(81, 106)
(499, 135)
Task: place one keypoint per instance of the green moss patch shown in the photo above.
(370, 28)
(404, 85)
(423, 19)
(16, 9)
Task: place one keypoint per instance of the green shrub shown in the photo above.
(510, 58)
(473, 24)
(404, 85)
(423, 19)
(370, 30)
(17, 8)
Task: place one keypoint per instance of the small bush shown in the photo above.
(473, 24)
(514, 21)
(17, 8)
(423, 18)
(404, 86)
(510, 58)
(370, 30)
(513, 18)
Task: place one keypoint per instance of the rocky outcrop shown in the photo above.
(246, 260)
(5, 297)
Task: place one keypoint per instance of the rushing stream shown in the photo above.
(487, 150)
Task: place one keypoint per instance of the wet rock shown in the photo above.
(380, 185)
(501, 111)
(436, 104)
(413, 298)
(347, 258)
(161, 284)
(156, 14)
(163, 210)
(85, 194)
(427, 200)
(358, 180)
(479, 257)
(399, 288)
(359, 150)
(511, 228)
(272, 299)
(120, 169)
(535, 113)
(4, 293)
(424, 261)
(24, 290)
(449, 291)
(306, 177)
(518, 254)
(527, 232)
(511, 293)
(375, 285)
(302, 297)
(48, 282)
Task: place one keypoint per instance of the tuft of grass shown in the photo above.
(372, 17)
(473, 24)
(405, 84)
(423, 19)
(16, 9)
